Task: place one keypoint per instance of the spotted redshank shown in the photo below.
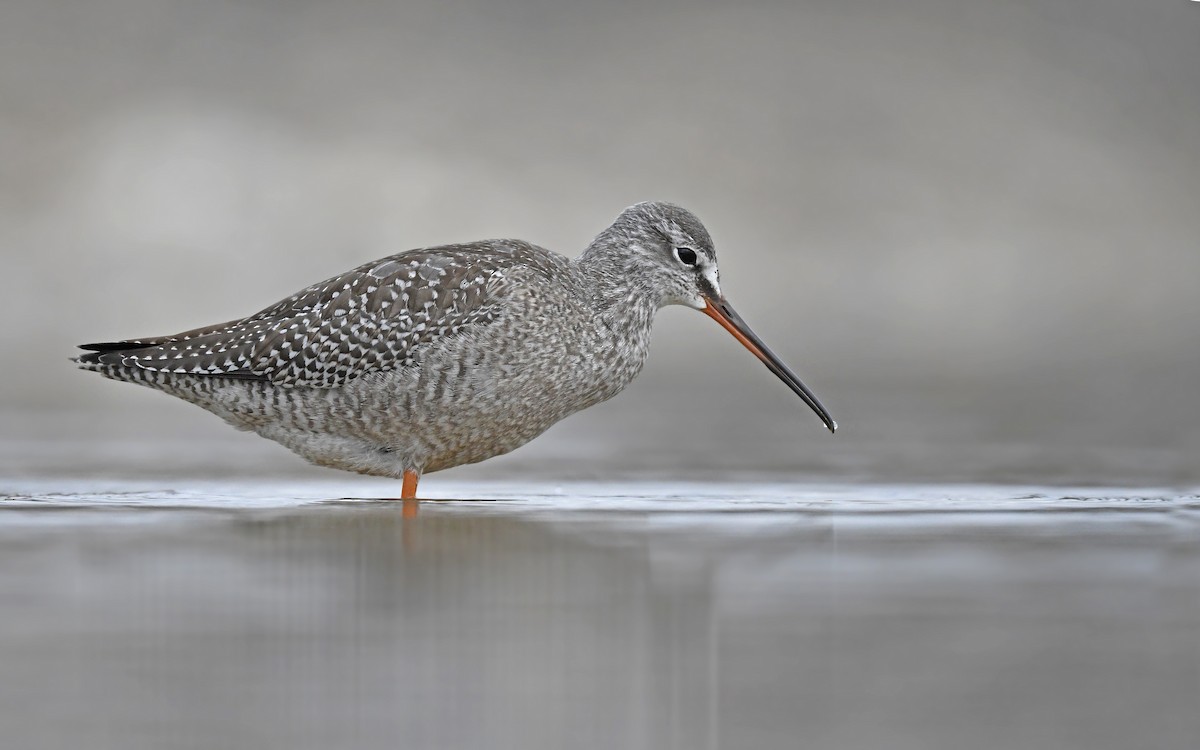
(447, 355)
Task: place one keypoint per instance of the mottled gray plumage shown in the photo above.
(436, 357)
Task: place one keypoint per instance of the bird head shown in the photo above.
(671, 257)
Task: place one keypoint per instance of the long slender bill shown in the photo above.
(720, 311)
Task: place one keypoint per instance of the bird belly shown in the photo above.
(473, 399)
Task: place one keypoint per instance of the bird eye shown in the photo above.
(686, 256)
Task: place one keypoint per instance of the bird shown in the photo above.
(443, 356)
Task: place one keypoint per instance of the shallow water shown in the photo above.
(648, 615)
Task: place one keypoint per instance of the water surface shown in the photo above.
(639, 615)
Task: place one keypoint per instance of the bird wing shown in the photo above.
(371, 318)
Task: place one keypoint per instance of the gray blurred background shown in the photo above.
(970, 226)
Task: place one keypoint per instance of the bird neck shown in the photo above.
(621, 290)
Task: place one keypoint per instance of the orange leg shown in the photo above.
(408, 495)
(408, 489)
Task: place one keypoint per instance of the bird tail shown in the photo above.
(109, 352)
